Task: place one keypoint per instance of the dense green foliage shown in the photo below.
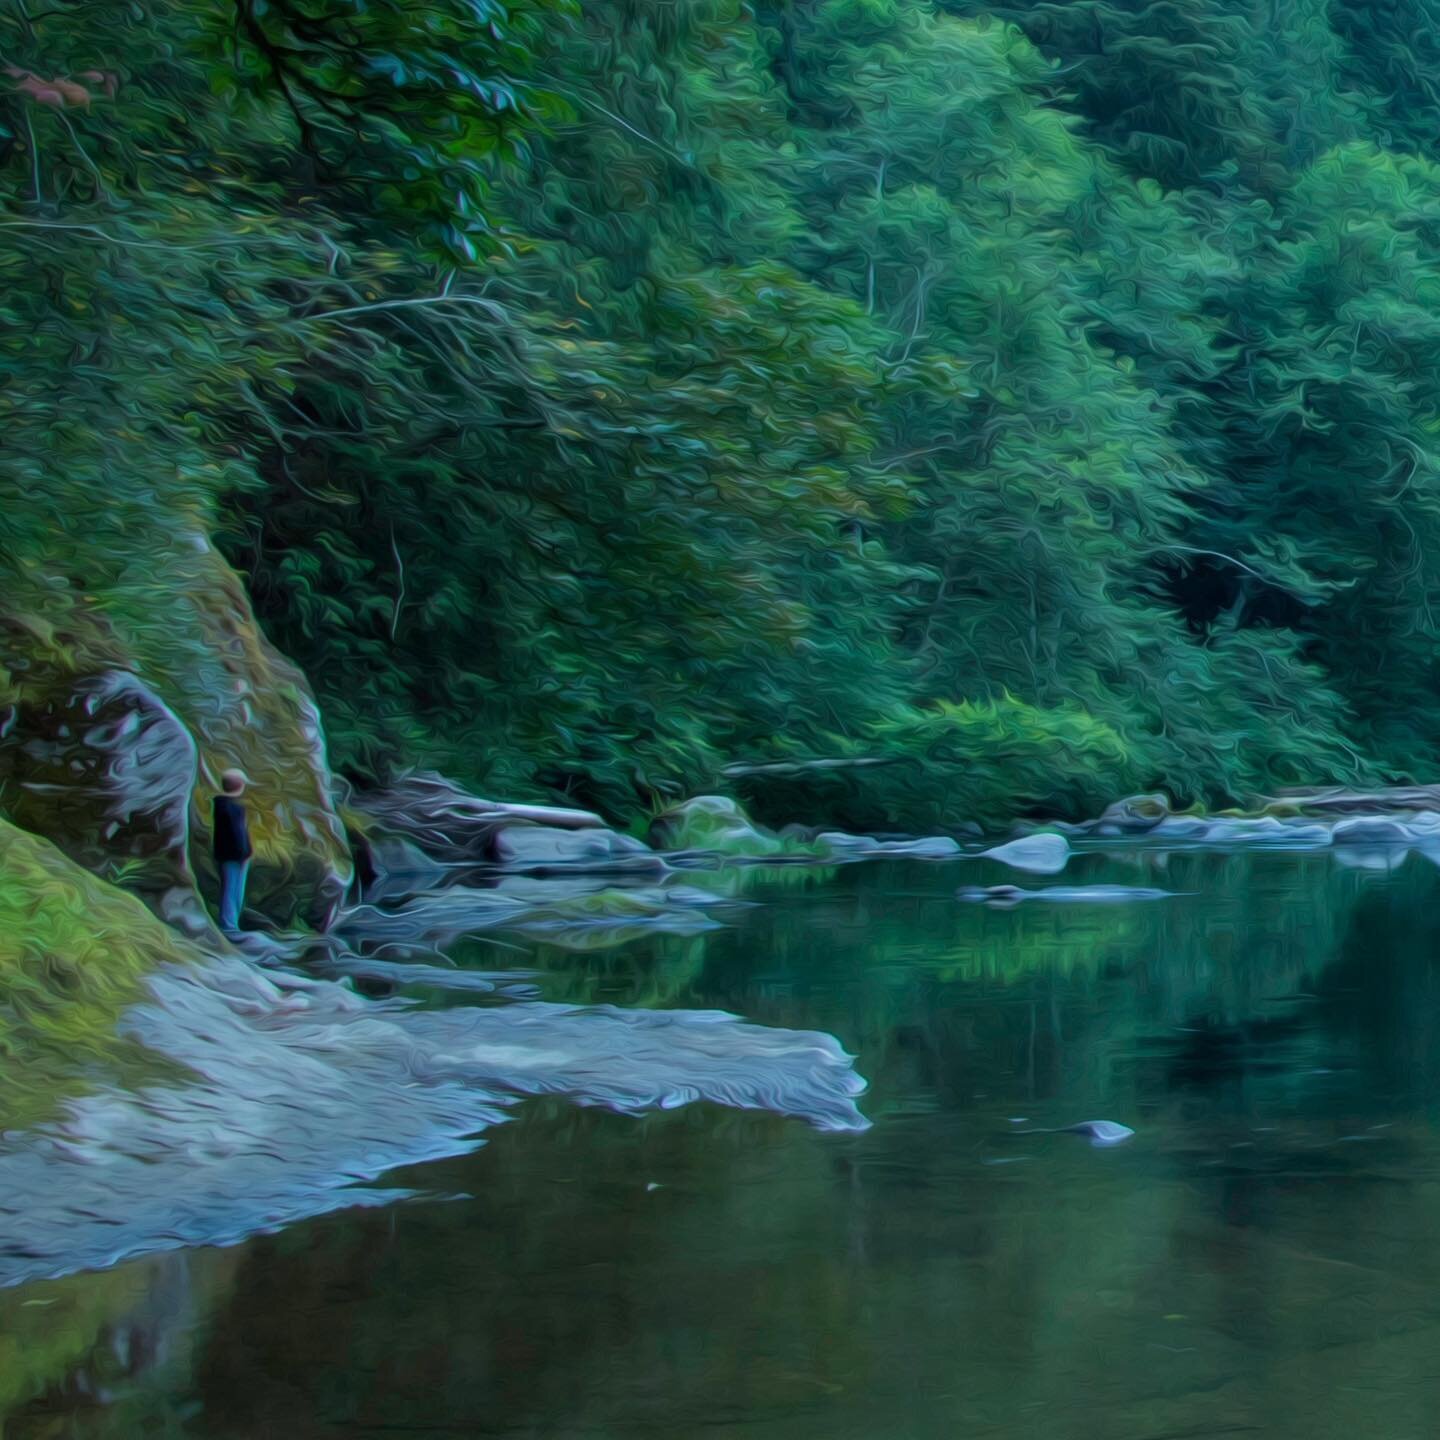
(1042, 400)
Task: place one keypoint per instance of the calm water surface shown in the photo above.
(1263, 1257)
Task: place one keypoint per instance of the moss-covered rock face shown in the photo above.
(74, 952)
(107, 769)
(250, 708)
(717, 824)
(160, 655)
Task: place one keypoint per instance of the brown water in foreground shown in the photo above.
(1260, 1258)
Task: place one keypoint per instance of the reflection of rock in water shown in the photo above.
(302, 1088)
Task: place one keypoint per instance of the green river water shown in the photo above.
(1261, 1258)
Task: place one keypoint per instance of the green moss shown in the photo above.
(718, 825)
(74, 952)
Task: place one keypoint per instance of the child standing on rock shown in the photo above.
(231, 838)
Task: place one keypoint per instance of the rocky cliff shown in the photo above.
(118, 711)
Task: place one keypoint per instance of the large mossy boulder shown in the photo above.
(714, 824)
(1134, 815)
(249, 707)
(74, 952)
(99, 699)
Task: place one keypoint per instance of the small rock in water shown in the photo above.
(1102, 1132)
(1371, 830)
(932, 847)
(1043, 854)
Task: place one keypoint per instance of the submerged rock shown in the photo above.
(1099, 1132)
(395, 974)
(1043, 854)
(1062, 894)
(1372, 857)
(554, 908)
(432, 919)
(614, 916)
(546, 888)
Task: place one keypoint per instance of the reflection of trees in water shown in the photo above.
(1255, 1240)
(1123, 1003)
(1333, 1064)
(1117, 1004)
(101, 1355)
(1294, 1123)
(1380, 994)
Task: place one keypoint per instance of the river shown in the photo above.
(1257, 1258)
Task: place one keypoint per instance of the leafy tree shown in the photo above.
(595, 396)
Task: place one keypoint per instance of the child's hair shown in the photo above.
(232, 782)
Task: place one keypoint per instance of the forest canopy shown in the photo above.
(1040, 400)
